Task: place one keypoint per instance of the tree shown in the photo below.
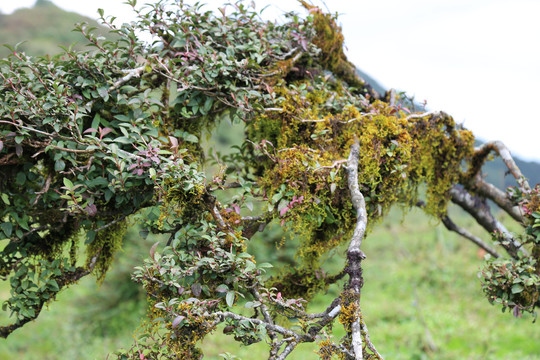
(93, 141)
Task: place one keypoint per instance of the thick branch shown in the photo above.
(130, 73)
(271, 327)
(287, 350)
(252, 224)
(354, 253)
(479, 210)
(328, 316)
(481, 155)
(498, 196)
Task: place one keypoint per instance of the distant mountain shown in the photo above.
(43, 27)
(371, 81)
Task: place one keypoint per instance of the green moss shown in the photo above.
(302, 150)
(105, 245)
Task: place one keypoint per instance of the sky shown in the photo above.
(478, 60)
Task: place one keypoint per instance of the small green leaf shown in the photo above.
(517, 288)
(7, 227)
(230, 298)
(68, 183)
(90, 236)
(192, 138)
(59, 165)
(277, 197)
(5, 199)
(21, 178)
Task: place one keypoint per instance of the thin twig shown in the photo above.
(369, 344)
(287, 350)
(450, 225)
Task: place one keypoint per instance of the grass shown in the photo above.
(421, 300)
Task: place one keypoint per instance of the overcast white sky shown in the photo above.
(478, 60)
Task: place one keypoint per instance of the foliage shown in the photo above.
(91, 140)
(515, 283)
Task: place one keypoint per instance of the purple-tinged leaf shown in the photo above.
(174, 142)
(283, 211)
(18, 150)
(105, 131)
(91, 210)
(196, 289)
(89, 130)
(177, 321)
(153, 250)
(222, 288)
(516, 311)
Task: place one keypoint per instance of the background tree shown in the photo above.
(91, 141)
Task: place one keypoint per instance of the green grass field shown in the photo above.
(421, 300)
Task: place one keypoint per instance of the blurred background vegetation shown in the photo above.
(421, 297)
(43, 28)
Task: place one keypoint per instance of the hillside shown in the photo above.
(43, 27)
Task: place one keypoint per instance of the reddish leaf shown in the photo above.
(105, 131)
(153, 250)
(89, 130)
(174, 142)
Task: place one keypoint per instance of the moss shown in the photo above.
(303, 283)
(106, 244)
(350, 311)
(177, 202)
(328, 350)
(302, 150)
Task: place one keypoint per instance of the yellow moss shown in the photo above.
(327, 350)
(350, 311)
(302, 283)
